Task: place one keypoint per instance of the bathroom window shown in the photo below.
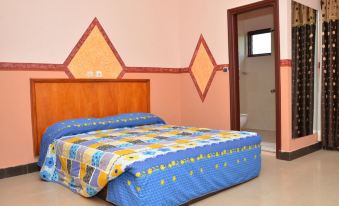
(260, 42)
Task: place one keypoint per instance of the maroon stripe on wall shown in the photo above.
(155, 70)
(285, 62)
(220, 67)
(12, 66)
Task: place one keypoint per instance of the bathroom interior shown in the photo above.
(257, 74)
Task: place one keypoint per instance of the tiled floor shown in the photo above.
(308, 181)
(268, 139)
(267, 135)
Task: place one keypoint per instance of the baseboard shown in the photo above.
(18, 170)
(331, 148)
(299, 153)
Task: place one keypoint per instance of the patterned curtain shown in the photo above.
(303, 56)
(330, 76)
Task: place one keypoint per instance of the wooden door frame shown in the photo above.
(234, 63)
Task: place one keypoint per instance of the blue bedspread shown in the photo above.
(209, 169)
(154, 164)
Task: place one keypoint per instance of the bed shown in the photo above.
(128, 155)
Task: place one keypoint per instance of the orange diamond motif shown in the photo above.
(202, 68)
(94, 56)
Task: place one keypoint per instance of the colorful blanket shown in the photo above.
(87, 162)
(83, 125)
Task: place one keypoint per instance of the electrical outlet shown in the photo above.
(98, 73)
(89, 74)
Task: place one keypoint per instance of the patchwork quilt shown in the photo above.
(86, 162)
(83, 125)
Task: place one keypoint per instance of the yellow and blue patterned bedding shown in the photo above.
(154, 164)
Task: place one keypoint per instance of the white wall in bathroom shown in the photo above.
(257, 75)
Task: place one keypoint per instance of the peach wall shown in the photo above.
(198, 20)
(151, 33)
(15, 121)
(15, 109)
(214, 111)
(145, 33)
(165, 95)
(208, 18)
(285, 20)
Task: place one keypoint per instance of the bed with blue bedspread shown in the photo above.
(143, 161)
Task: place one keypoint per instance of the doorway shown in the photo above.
(257, 75)
(240, 76)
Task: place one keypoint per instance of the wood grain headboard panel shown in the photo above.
(55, 100)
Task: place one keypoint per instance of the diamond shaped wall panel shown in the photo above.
(202, 68)
(95, 58)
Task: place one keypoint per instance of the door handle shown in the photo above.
(272, 91)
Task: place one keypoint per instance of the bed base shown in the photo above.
(103, 194)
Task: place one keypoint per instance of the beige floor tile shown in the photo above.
(267, 135)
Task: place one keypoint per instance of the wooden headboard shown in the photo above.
(55, 100)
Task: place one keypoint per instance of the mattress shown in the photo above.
(153, 164)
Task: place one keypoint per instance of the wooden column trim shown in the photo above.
(234, 64)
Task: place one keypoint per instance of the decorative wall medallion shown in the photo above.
(94, 56)
(202, 68)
